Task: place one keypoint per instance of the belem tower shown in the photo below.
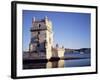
(41, 41)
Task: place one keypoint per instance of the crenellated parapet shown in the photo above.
(58, 51)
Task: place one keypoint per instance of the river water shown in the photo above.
(83, 60)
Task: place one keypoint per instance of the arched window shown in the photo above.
(39, 25)
(38, 32)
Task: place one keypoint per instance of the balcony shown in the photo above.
(37, 29)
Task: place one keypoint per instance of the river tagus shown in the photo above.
(78, 60)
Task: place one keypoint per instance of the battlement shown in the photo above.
(43, 24)
(58, 52)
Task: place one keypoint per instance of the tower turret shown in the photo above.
(33, 19)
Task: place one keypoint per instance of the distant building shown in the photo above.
(41, 42)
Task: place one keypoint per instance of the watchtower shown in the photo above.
(41, 38)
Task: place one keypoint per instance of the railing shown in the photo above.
(37, 28)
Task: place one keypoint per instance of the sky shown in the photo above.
(71, 30)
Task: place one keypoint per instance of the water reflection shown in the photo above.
(55, 64)
(34, 66)
(49, 64)
(85, 60)
(58, 64)
(61, 63)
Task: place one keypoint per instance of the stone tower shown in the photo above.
(41, 38)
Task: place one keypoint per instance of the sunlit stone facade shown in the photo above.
(41, 38)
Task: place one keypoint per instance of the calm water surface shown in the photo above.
(85, 61)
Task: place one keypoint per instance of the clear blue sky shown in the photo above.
(72, 30)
